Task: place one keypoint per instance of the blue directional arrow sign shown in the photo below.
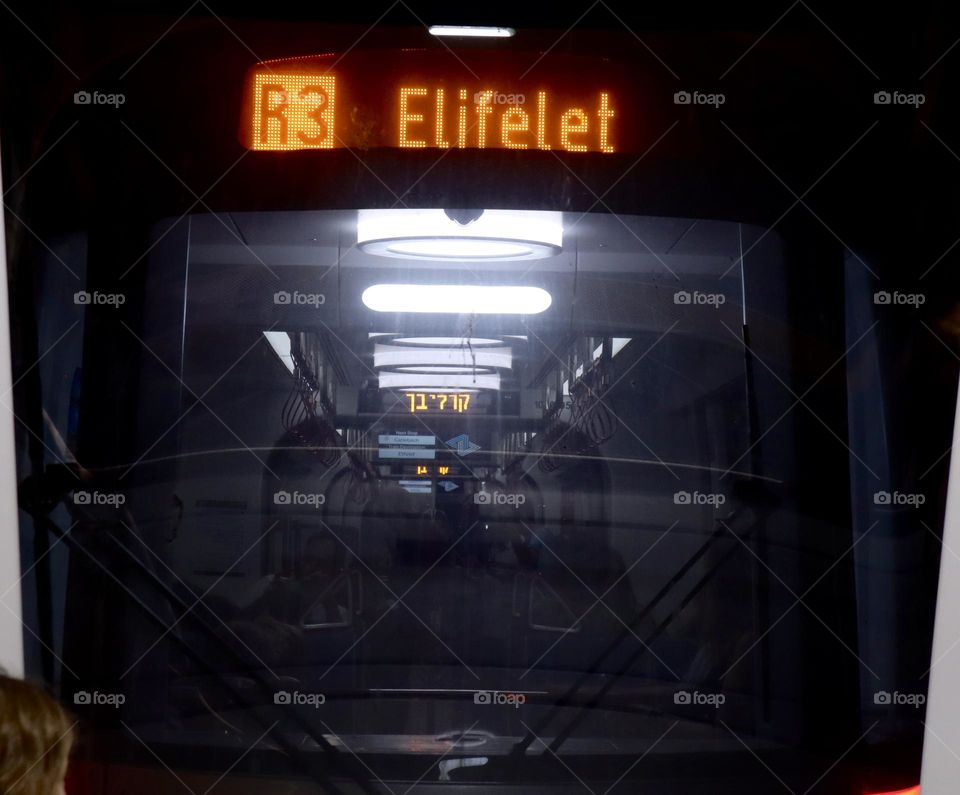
(462, 444)
(448, 485)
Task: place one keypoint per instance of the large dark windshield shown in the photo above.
(585, 523)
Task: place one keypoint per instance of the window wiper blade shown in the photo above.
(611, 681)
(567, 699)
(307, 761)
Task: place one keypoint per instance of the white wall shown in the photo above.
(11, 631)
(941, 742)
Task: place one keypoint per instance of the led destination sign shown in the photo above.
(455, 402)
(326, 103)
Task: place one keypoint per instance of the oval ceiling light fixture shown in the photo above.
(447, 342)
(428, 368)
(472, 31)
(398, 356)
(457, 299)
(480, 235)
(428, 381)
(445, 389)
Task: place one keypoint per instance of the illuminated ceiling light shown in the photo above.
(455, 248)
(618, 344)
(448, 389)
(433, 235)
(280, 342)
(457, 299)
(472, 31)
(453, 370)
(448, 342)
(428, 381)
(395, 356)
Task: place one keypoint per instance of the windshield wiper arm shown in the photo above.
(289, 748)
(567, 698)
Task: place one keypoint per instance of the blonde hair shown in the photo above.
(35, 739)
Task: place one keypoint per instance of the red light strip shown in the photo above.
(909, 791)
